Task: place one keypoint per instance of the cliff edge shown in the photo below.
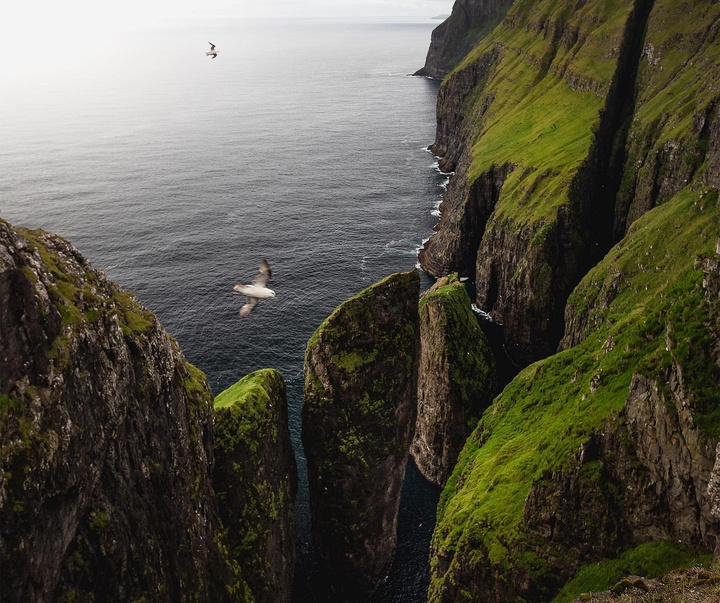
(108, 439)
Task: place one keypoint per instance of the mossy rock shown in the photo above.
(255, 480)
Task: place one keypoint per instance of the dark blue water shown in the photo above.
(303, 143)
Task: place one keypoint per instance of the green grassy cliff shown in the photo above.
(564, 125)
(538, 427)
(586, 142)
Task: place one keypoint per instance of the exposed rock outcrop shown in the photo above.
(456, 378)
(455, 37)
(703, 585)
(105, 441)
(358, 420)
(255, 479)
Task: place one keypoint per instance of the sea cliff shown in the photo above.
(563, 126)
(584, 142)
(107, 438)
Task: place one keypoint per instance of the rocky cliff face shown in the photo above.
(255, 479)
(358, 416)
(455, 37)
(456, 378)
(106, 440)
(562, 120)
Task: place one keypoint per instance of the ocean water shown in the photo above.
(303, 143)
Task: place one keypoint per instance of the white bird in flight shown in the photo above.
(256, 290)
(212, 52)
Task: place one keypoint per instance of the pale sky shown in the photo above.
(39, 37)
(82, 14)
(36, 26)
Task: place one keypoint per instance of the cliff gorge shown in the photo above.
(107, 448)
(358, 419)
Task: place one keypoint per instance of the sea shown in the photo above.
(303, 143)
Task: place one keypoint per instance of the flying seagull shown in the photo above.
(212, 52)
(256, 290)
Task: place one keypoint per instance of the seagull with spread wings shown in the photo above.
(256, 290)
(212, 52)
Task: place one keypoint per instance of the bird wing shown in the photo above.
(248, 307)
(214, 56)
(212, 46)
(264, 275)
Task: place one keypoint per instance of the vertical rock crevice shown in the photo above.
(594, 190)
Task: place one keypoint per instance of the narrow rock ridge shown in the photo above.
(255, 479)
(358, 419)
(456, 378)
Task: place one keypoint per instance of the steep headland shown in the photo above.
(107, 442)
(457, 35)
(358, 419)
(456, 378)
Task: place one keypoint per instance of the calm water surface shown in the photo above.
(303, 143)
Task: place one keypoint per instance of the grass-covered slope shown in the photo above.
(657, 322)
(544, 96)
(650, 560)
